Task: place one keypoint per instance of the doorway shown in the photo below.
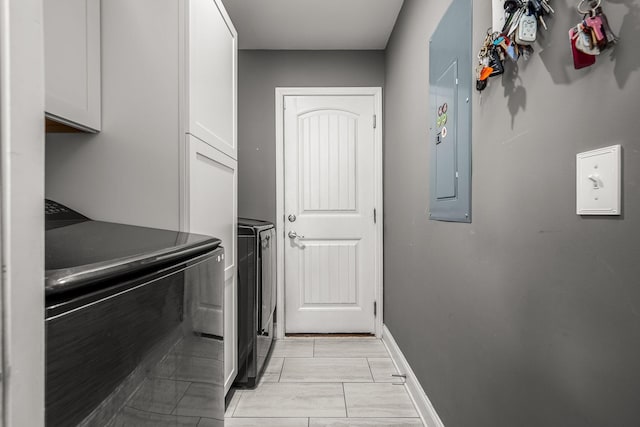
(329, 210)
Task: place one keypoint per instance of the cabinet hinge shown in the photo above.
(374, 121)
(375, 216)
(375, 308)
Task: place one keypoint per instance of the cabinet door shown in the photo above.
(72, 62)
(213, 211)
(212, 75)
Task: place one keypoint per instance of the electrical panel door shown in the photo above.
(450, 86)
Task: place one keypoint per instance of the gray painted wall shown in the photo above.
(128, 172)
(529, 316)
(259, 73)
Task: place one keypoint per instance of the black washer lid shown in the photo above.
(252, 226)
(82, 253)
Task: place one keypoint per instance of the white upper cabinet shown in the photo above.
(212, 75)
(72, 62)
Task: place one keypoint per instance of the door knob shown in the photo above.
(294, 235)
(292, 218)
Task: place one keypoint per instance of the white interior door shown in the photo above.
(330, 189)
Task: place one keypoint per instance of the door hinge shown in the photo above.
(375, 121)
(375, 216)
(375, 308)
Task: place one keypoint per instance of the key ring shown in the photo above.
(581, 12)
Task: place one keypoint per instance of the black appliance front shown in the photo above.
(125, 323)
(256, 298)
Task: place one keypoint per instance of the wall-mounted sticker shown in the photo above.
(442, 115)
(441, 121)
(444, 132)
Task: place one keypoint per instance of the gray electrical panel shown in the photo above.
(451, 82)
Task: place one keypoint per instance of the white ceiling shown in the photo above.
(313, 24)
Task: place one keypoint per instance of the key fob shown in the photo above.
(527, 30)
(585, 42)
(580, 59)
(495, 63)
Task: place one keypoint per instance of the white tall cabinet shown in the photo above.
(210, 182)
(166, 156)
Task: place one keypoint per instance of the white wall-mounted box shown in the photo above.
(498, 16)
(598, 181)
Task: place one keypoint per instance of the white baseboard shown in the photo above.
(422, 403)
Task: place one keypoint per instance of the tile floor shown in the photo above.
(325, 382)
(180, 391)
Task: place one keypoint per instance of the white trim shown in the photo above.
(22, 105)
(281, 92)
(279, 330)
(183, 116)
(423, 405)
(379, 267)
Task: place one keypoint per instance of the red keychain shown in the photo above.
(580, 59)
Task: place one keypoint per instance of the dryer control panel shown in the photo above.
(57, 215)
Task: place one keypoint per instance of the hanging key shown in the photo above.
(544, 24)
(547, 7)
(595, 23)
(611, 37)
(513, 9)
(483, 71)
(539, 8)
(535, 7)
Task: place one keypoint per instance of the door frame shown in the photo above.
(22, 160)
(281, 93)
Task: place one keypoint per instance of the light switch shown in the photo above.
(598, 181)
